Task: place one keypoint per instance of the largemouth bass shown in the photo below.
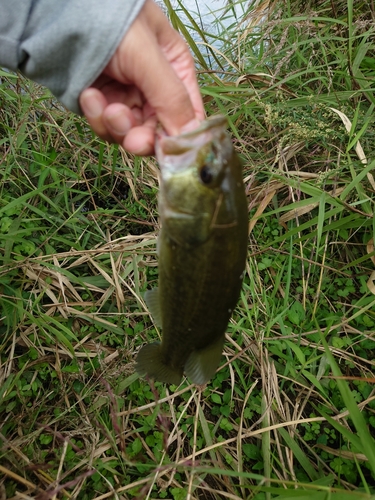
(201, 250)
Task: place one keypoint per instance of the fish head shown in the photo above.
(200, 174)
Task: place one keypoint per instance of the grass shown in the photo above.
(290, 413)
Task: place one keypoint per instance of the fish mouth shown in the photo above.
(212, 128)
(177, 151)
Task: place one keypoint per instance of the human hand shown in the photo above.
(150, 78)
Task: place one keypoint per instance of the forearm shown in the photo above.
(63, 45)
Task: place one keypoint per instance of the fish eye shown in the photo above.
(206, 174)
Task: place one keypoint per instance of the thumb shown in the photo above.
(163, 73)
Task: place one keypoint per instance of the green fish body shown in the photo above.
(202, 252)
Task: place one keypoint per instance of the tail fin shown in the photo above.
(202, 365)
(150, 363)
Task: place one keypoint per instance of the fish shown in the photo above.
(202, 248)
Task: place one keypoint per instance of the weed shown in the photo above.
(290, 413)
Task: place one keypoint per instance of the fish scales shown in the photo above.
(202, 252)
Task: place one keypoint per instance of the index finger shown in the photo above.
(163, 69)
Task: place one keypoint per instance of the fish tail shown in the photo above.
(202, 365)
(150, 363)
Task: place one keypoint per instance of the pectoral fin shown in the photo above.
(187, 229)
(150, 363)
(202, 365)
(153, 304)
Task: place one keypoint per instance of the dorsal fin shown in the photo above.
(153, 303)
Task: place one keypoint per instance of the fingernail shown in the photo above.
(91, 104)
(192, 125)
(119, 123)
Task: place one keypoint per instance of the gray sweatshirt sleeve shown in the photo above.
(63, 44)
